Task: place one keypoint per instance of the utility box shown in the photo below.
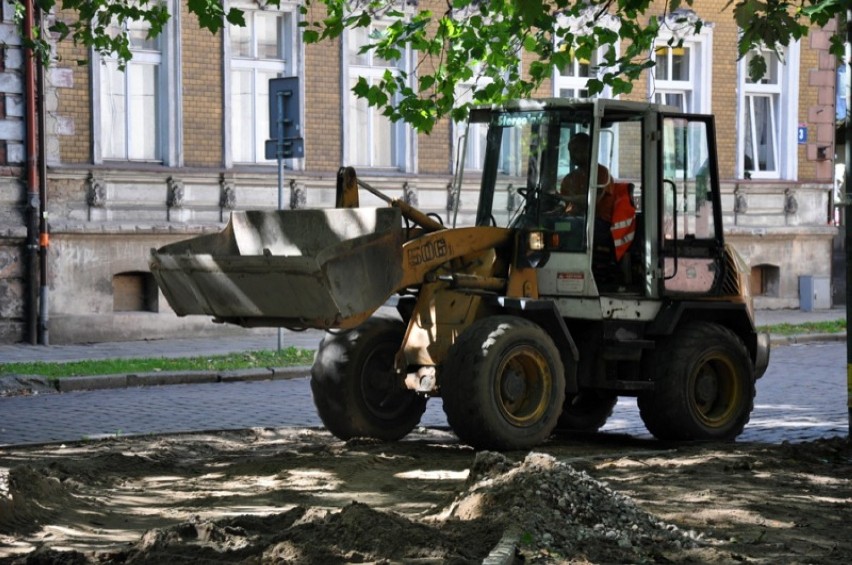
(814, 293)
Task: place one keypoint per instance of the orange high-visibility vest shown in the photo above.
(623, 221)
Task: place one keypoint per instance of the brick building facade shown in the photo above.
(167, 149)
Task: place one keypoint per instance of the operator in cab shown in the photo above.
(615, 213)
(575, 185)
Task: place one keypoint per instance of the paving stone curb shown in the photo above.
(170, 378)
(242, 375)
(35, 384)
(99, 382)
(805, 338)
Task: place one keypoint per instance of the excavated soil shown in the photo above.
(301, 496)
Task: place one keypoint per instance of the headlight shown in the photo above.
(531, 249)
(535, 241)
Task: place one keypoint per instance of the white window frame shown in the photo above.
(667, 86)
(697, 90)
(403, 142)
(784, 96)
(169, 95)
(576, 82)
(578, 26)
(474, 153)
(290, 65)
(476, 145)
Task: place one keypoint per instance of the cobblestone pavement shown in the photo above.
(801, 397)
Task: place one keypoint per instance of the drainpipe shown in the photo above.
(32, 209)
(43, 228)
(847, 216)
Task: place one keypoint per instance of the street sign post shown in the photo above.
(285, 128)
(286, 132)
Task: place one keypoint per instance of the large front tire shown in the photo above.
(356, 390)
(703, 386)
(503, 384)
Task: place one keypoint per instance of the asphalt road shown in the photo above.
(802, 397)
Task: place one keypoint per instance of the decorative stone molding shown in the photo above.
(740, 202)
(96, 192)
(409, 194)
(791, 205)
(511, 204)
(175, 193)
(298, 195)
(227, 194)
(452, 198)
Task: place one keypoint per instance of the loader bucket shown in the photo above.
(292, 268)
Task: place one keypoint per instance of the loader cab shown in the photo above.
(658, 165)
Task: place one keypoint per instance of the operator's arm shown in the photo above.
(573, 192)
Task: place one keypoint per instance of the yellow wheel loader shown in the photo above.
(535, 319)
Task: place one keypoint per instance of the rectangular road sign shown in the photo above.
(287, 88)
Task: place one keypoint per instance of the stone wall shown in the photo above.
(12, 190)
(110, 232)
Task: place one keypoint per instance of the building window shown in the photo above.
(130, 100)
(673, 80)
(572, 80)
(262, 50)
(768, 117)
(372, 139)
(761, 103)
(682, 73)
(136, 109)
(474, 151)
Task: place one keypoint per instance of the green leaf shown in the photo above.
(530, 10)
(426, 82)
(361, 88)
(236, 17)
(209, 12)
(757, 67)
(310, 36)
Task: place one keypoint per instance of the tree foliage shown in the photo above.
(774, 24)
(480, 51)
(102, 24)
(473, 51)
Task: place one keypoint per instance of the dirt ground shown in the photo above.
(301, 496)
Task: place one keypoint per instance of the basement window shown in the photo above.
(765, 280)
(134, 292)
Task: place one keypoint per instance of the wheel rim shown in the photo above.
(523, 387)
(715, 395)
(383, 398)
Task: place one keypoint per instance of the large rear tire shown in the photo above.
(503, 384)
(587, 412)
(356, 390)
(703, 386)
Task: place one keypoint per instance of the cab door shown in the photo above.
(690, 230)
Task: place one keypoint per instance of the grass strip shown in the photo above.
(827, 327)
(245, 360)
